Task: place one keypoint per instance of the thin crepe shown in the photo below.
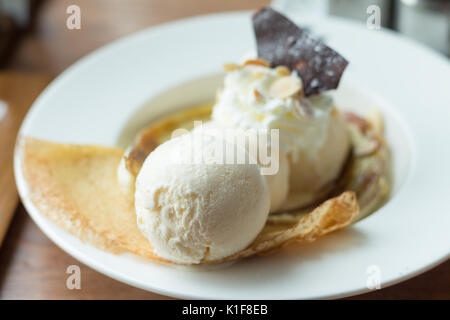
(76, 187)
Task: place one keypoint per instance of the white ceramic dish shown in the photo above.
(93, 101)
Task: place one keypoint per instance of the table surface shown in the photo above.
(31, 266)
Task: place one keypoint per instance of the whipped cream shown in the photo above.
(248, 101)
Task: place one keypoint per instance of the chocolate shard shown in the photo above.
(281, 42)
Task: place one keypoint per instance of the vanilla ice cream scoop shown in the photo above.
(193, 209)
(312, 173)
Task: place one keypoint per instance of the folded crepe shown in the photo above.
(76, 187)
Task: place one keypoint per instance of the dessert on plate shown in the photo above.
(309, 169)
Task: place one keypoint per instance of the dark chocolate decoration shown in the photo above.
(281, 42)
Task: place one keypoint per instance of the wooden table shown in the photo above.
(31, 266)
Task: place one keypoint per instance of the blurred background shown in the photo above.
(36, 45)
(34, 37)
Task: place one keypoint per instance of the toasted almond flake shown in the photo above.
(285, 87)
(257, 75)
(258, 95)
(229, 67)
(282, 71)
(259, 62)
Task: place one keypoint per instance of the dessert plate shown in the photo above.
(108, 95)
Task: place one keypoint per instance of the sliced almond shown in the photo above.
(229, 67)
(258, 62)
(282, 70)
(258, 95)
(285, 87)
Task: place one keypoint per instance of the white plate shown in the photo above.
(95, 98)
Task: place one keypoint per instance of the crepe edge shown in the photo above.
(333, 214)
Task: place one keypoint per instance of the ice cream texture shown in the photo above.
(192, 212)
